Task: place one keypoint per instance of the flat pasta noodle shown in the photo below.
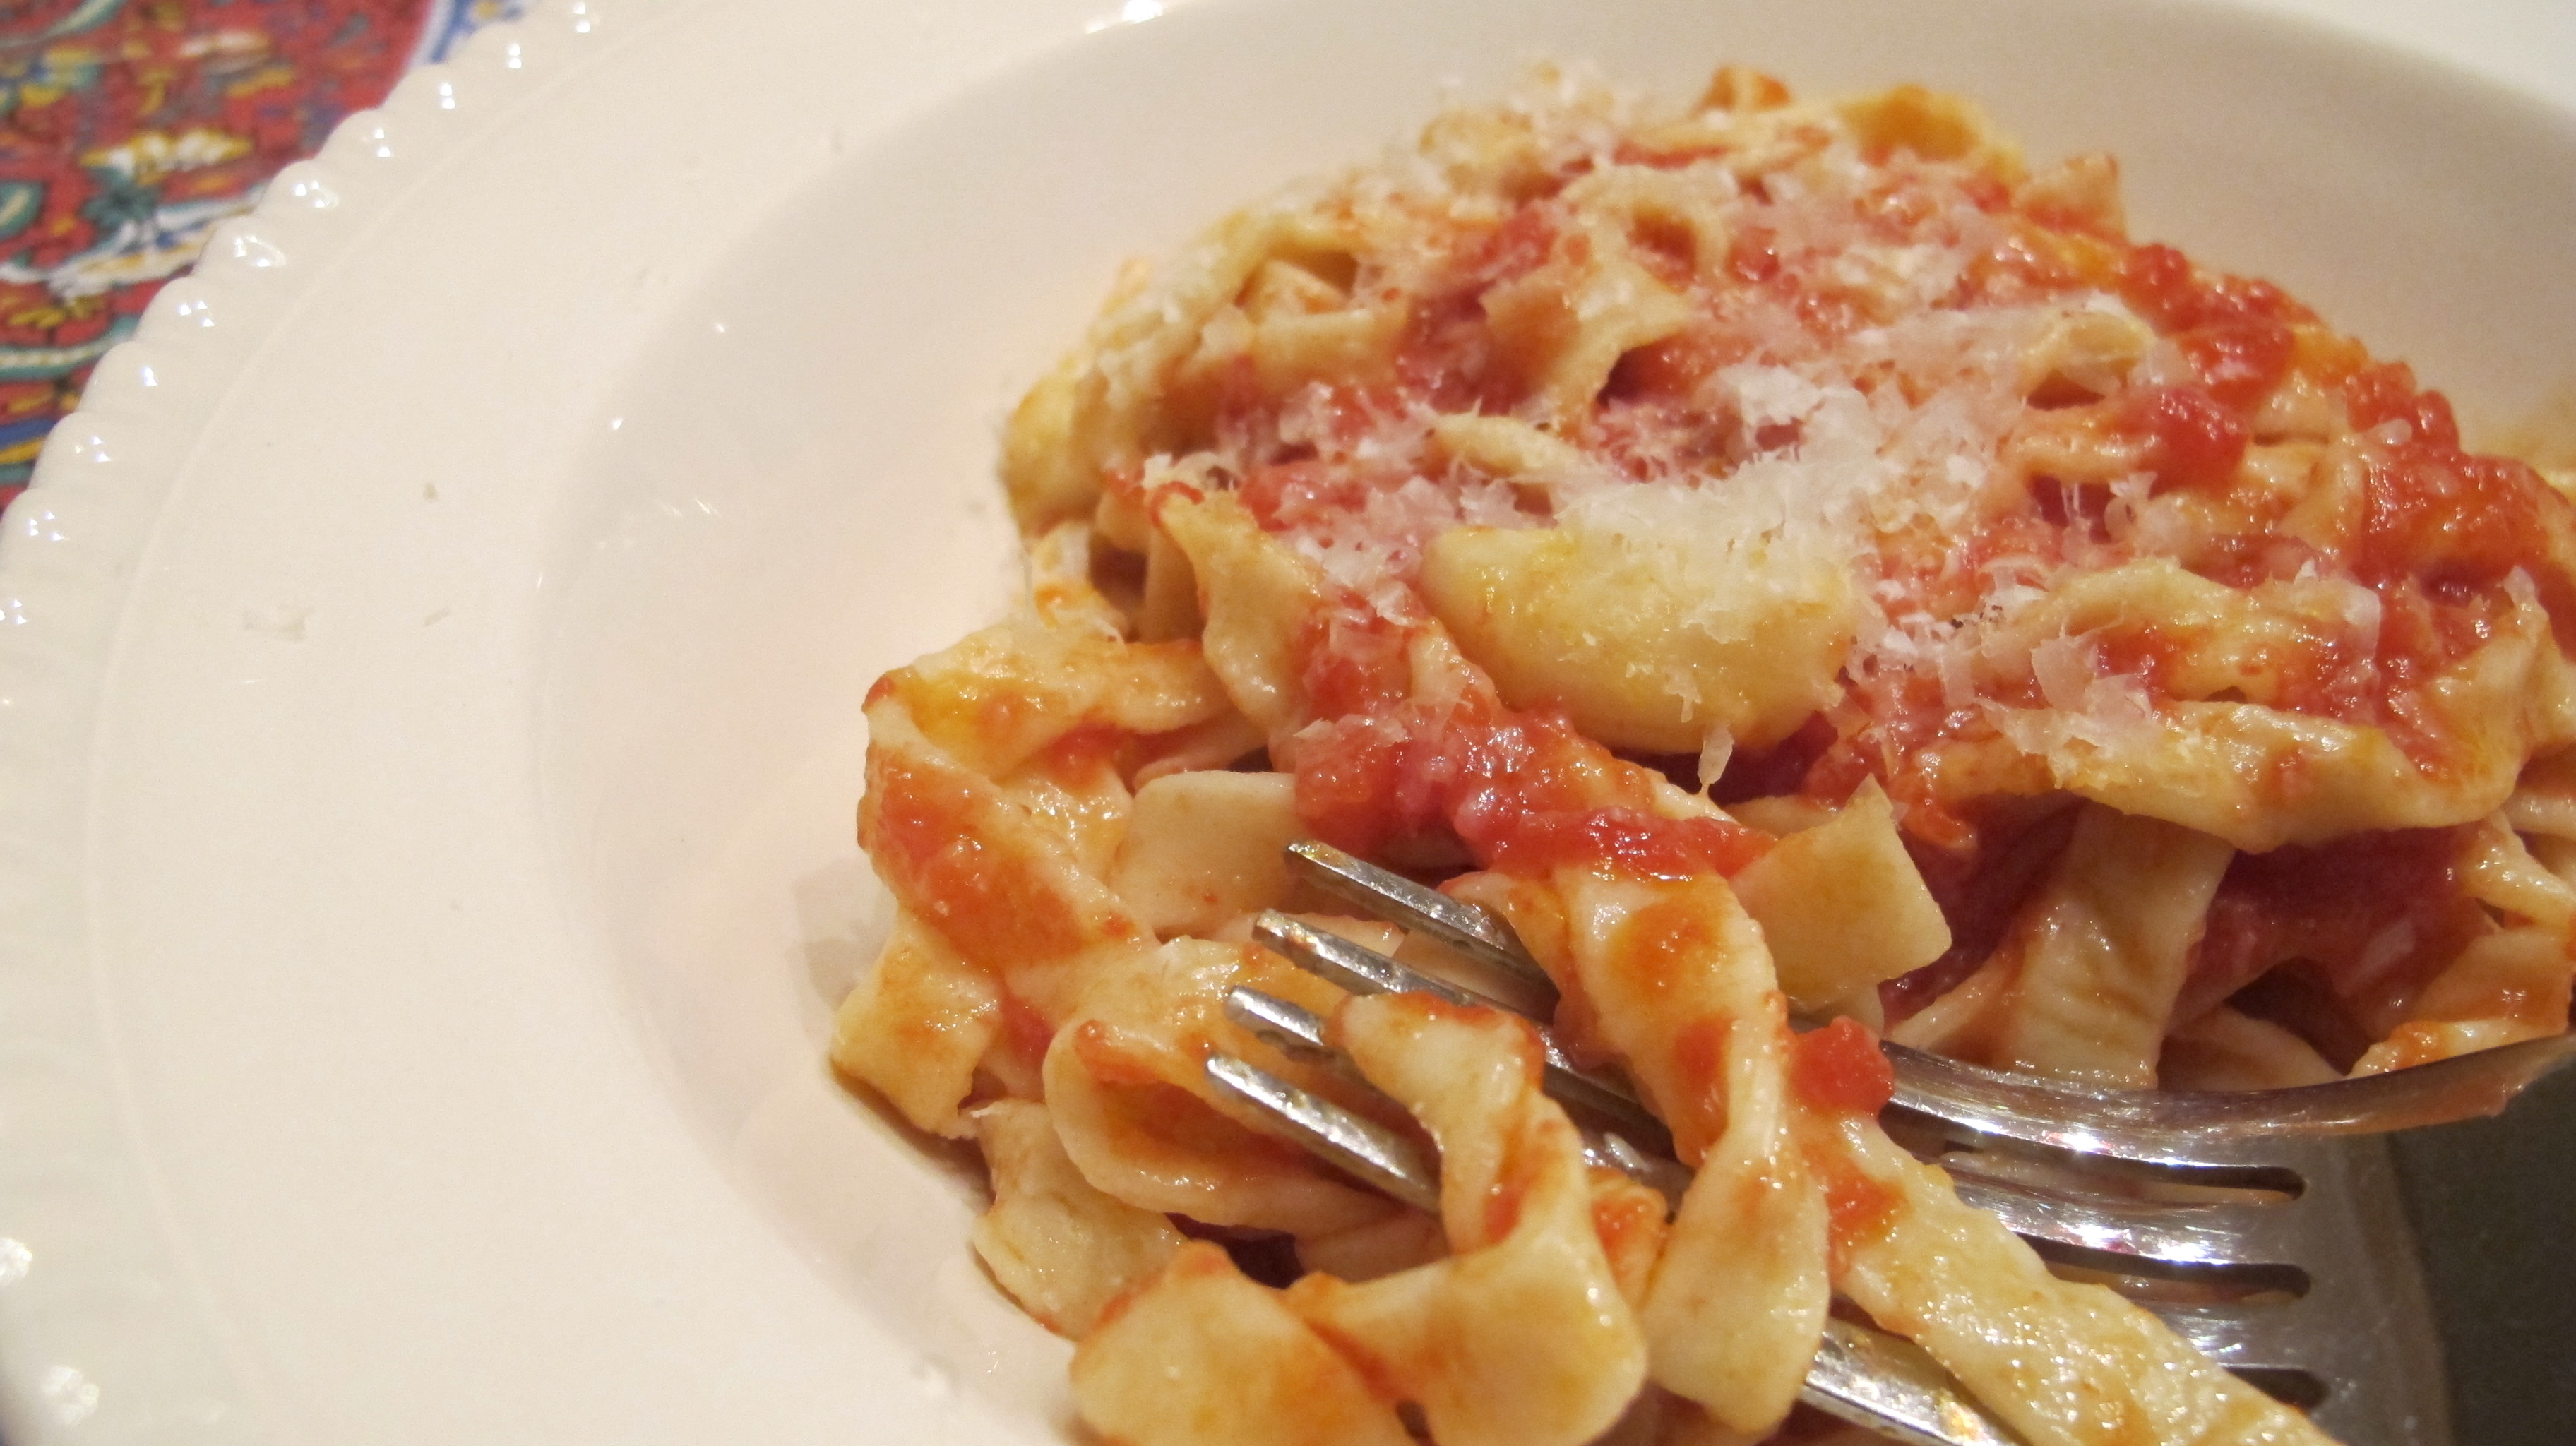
(1204, 846)
(1135, 1111)
(1063, 1247)
(1675, 983)
(2065, 1364)
(1522, 1334)
(1843, 909)
(1202, 1353)
(918, 1026)
(2086, 981)
(1787, 558)
(2226, 1049)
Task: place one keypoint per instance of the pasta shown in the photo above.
(1788, 559)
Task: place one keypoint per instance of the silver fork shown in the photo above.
(2282, 1253)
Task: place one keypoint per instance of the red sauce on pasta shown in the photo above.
(1857, 1207)
(1840, 1068)
(2192, 438)
(920, 828)
(2369, 912)
(1525, 793)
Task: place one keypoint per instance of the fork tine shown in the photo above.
(1364, 1148)
(2349, 1345)
(1298, 1032)
(1291, 1029)
(2250, 1249)
(2169, 1248)
(1860, 1375)
(2263, 1337)
(1363, 970)
(2166, 1124)
(2146, 1126)
(2237, 1246)
(2206, 1242)
(2161, 1241)
(1355, 967)
(1470, 929)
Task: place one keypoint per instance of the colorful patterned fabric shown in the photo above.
(130, 128)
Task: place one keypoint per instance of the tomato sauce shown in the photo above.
(1026, 1033)
(1106, 1060)
(1840, 1068)
(2192, 438)
(1672, 370)
(1781, 768)
(1857, 1208)
(1629, 841)
(1665, 942)
(1882, 727)
(2446, 516)
(1630, 1223)
(1353, 662)
(2239, 362)
(994, 905)
(1980, 887)
(2161, 284)
(1525, 793)
(2360, 911)
(1699, 1064)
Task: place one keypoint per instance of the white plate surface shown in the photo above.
(432, 658)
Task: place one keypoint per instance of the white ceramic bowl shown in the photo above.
(433, 655)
